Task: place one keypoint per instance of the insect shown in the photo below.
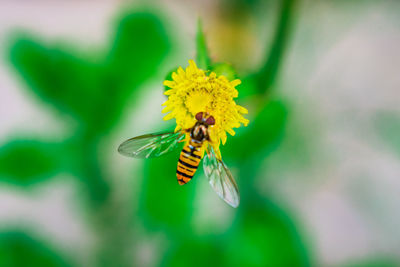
(197, 143)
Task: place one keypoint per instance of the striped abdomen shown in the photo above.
(189, 160)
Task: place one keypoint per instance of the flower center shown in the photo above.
(198, 101)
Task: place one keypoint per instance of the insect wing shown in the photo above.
(220, 178)
(150, 145)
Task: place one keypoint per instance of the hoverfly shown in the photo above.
(197, 143)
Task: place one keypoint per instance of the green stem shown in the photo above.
(109, 218)
(203, 59)
(273, 61)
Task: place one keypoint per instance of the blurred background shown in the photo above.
(318, 166)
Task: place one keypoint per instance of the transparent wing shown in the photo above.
(150, 145)
(220, 178)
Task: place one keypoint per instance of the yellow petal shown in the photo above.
(245, 121)
(169, 116)
(169, 92)
(235, 125)
(170, 84)
(181, 71)
(175, 77)
(230, 131)
(192, 64)
(236, 82)
(242, 109)
(177, 128)
(167, 109)
(235, 93)
(223, 138)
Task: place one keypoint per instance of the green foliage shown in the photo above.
(165, 204)
(19, 250)
(263, 235)
(197, 252)
(268, 73)
(224, 69)
(85, 86)
(203, 58)
(94, 90)
(248, 89)
(264, 131)
(56, 76)
(266, 236)
(140, 44)
(25, 162)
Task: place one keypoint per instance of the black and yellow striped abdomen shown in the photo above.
(189, 161)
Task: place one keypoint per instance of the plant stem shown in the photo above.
(269, 71)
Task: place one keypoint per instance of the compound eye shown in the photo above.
(210, 120)
(199, 116)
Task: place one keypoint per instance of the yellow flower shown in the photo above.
(193, 91)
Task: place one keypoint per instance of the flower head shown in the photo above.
(193, 91)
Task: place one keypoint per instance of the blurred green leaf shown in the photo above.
(58, 77)
(268, 73)
(86, 86)
(164, 203)
(248, 89)
(25, 161)
(265, 131)
(195, 252)
(94, 88)
(203, 58)
(224, 69)
(141, 43)
(19, 250)
(265, 236)
(140, 47)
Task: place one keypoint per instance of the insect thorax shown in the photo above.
(199, 132)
